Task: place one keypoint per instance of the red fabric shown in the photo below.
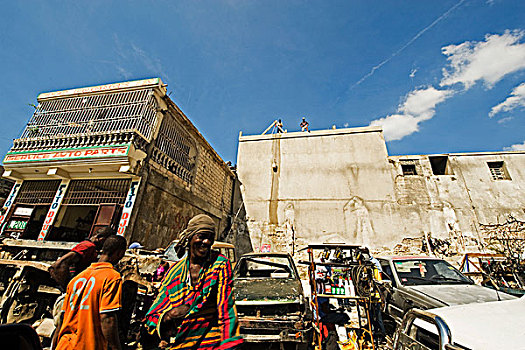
(88, 255)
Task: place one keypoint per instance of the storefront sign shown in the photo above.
(23, 211)
(51, 214)
(17, 225)
(8, 203)
(66, 154)
(128, 207)
(99, 88)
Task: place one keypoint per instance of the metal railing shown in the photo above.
(37, 192)
(94, 114)
(175, 149)
(95, 192)
(403, 341)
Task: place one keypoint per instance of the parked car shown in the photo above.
(270, 301)
(427, 283)
(226, 249)
(480, 326)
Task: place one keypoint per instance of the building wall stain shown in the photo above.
(276, 173)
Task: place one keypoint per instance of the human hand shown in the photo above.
(177, 312)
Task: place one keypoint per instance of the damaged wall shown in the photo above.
(341, 186)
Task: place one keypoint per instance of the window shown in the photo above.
(440, 165)
(409, 169)
(498, 171)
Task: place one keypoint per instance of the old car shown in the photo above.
(270, 301)
(226, 249)
(428, 282)
(480, 326)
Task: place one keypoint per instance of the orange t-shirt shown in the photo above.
(94, 291)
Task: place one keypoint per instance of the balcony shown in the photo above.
(91, 120)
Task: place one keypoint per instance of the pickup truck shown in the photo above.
(429, 282)
(484, 326)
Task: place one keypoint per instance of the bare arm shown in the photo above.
(60, 269)
(109, 325)
(55, 334)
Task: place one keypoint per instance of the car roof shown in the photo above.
(408, 257)
(278, 255)
(216, 244)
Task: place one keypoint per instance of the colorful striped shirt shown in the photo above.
(211, 322)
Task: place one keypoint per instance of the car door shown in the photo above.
(394, 303)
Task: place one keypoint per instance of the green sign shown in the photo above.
(17, 225)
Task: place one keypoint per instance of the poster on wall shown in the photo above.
(128, 207)
(51, 214)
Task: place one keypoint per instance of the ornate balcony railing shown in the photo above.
(92, 117)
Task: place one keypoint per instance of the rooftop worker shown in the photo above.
(79, 258)
(304, 125)
(195, 304)
(93, 298)
(279, 126)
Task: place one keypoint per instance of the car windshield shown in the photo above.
(170, 252)
(264, 267)
(427, 271)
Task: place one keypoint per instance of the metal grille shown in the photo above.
(94, 192)
(408, 169)
(95, 114)
(37, 192)
(175, 143)
(497, 170)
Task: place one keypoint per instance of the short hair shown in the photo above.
(104, 231)
(114, 243)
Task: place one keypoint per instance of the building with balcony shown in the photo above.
(120, 154)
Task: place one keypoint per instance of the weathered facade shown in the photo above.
(5, 187)
(119, 154)
(342, 186)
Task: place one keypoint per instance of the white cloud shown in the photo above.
(488, 61)
(470, 62)
(397, 126)
(419, 105)
(516, 147)
(504, 120)
(515, 100)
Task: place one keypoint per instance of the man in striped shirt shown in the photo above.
(195, 307)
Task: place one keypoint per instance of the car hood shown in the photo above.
(459, 294)
(493, 325)
(267, 289)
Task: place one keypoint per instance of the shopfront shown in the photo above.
(67, 211)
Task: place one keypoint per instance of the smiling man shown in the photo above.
(195, 308)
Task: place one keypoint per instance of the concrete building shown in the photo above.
(119, 154)
(342, 186)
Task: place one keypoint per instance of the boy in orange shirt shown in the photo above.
(92, 299)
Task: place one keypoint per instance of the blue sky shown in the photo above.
(439, 76)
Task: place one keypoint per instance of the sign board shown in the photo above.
(51, 214)
(17, 224)
(128, 207)
(100, 88)
(23, 211)
(67, 154)
(9, 202)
